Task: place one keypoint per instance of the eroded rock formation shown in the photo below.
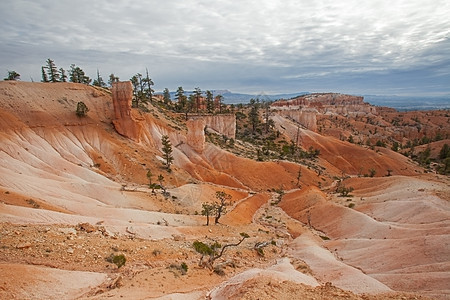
(304, 109)
(222, 124)
(127, 122)
(306, 117)
(196, 134)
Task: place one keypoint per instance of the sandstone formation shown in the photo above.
(196, 134)
(127, 122)
(328, 103)
(304, 109)
(306, 117)
(222, 124)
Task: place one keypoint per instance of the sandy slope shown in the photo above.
(398, 233)
(36, 282)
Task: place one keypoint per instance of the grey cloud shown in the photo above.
(262, 45)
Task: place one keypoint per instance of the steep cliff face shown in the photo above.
(306, 117)
(223, 124)
(127, 122)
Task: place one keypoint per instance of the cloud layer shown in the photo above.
(380, 47)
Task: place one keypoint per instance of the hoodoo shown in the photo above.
(127, 122)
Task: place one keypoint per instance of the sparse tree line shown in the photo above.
(143, 92)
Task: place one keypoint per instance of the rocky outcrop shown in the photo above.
(304, 109)
(328, 103)
(222, 124)
(196, 134)
(127, 122)
(306, 117)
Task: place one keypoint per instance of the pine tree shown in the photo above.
(99, 81)
(52, 70)
(166, 96)
(167, 151)
(12, 75)
(148, 82)
(44, 75)
(198, 94)
(181, 99)
(209, 102)
(77, 75)
(63, 75)
(112, 79)
(219, 99)
(253, 114)
(221, 204)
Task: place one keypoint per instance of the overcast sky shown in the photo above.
(350, 46)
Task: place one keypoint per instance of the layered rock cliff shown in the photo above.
(304, 109)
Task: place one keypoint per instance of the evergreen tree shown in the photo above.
(198, 95)
(208, 209)
(77, 75)
(135, 82)
(253, 114)
(52, 71)
(44, 75)
(181, 99)
(63, 75)
(209, 102)
(445, 152)
(112, 79)
(221, 204)
(167, 151)
(166, 96)
(219, 102)
(148, 86)
(99, 81)
(140, 91)
(12, 75)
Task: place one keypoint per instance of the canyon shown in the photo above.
(75, 193)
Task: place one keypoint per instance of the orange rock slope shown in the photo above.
(388, 238)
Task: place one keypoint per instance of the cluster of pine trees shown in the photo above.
(51, 73)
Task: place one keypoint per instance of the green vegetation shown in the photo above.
(118, 259)
(343, 190)
(217, 208)
(210, 253)
(82, 109)
(142, 89)
(12, 75)
(167, 151)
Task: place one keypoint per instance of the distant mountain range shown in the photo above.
(397, 102)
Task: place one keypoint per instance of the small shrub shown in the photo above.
(82, 109)
(344, 191)
(351, 205)
(117, 259)
(260, 251)
(184, 268)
